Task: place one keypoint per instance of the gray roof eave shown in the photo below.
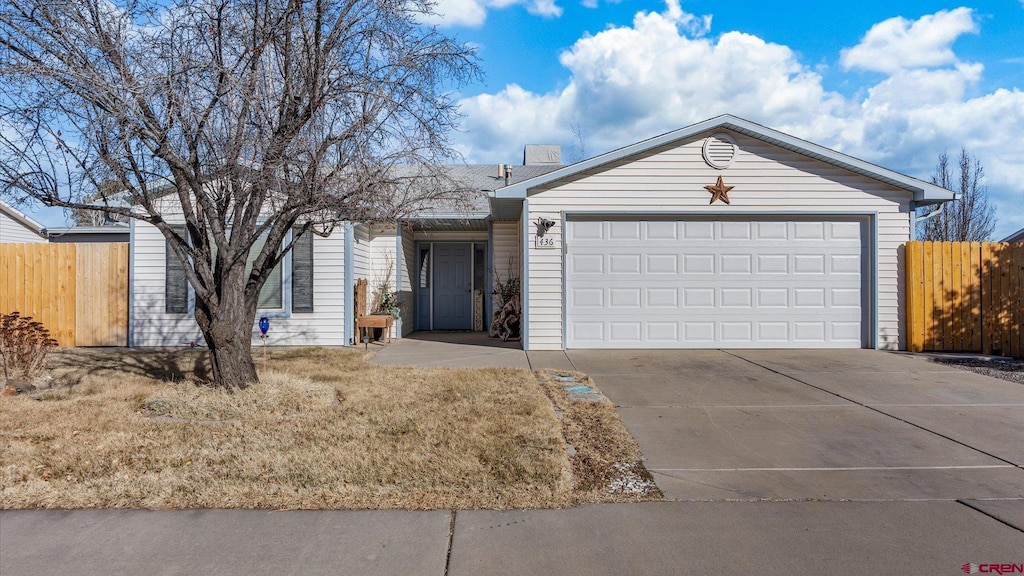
(22, 218)
(923, 192)
(111, 229)
(1017, 236)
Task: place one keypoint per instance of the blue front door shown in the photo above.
(453, 286)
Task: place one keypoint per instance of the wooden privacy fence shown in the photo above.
(78, 291)
(965, 297)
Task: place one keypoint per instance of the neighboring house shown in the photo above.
(89, 234)
(1017, 236)
(723, 234)
(16, 226)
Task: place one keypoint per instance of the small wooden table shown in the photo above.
(375, 321)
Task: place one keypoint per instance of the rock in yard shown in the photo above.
(15, 387)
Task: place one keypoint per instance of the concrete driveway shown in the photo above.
(815, 425)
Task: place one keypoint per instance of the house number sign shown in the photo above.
(545, 242)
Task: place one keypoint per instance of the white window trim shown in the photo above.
(286, 289)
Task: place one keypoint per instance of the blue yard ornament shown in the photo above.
(264, 325)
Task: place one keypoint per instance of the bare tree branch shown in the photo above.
(969, 218)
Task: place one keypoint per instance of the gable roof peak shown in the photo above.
(923, 192)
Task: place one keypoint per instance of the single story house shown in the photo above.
(723, 234)
(16, 226)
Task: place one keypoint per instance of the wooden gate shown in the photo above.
(78, 291)
(965, 297)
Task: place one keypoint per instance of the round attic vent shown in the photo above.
(719, 150)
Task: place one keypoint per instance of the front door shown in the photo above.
(453, 286)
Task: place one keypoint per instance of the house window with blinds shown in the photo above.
(276, 292)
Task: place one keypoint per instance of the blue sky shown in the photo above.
(894, 82)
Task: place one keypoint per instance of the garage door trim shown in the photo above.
(870, 259)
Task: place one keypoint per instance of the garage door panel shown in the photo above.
(772, 230)
(662, 297)
(663, 332)
(844, 264)
(700, 283)
(662, 264)
(699, 230)
(586, 231)
(736, 230)
(772, 264)
(699, 263)
(662, 230)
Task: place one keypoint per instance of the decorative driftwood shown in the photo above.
(505, 324)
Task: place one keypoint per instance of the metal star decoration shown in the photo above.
(719, 191)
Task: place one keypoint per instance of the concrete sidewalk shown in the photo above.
(781, 538)
(463, 350)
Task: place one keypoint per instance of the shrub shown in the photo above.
(24, 344)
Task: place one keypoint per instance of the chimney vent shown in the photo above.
(542, 155)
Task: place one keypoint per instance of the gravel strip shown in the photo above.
(1004, 369)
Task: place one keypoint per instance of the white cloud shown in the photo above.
(662, 73)
(473, 13)
(545, 8)
(470, 13)
(899, 43)
(658, 74)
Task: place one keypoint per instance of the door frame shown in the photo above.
(429, 290)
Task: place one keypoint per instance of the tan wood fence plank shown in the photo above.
(955, 296)
(929, 294)
(974, 251)
(986, 298)
(915, 329)
(1017, 271)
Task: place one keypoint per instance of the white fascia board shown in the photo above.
(924, 193)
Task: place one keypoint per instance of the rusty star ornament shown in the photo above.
(719, 191)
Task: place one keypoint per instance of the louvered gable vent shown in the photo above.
(719, 150)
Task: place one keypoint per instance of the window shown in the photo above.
(424, 267)
(272, 294)
(276, 292)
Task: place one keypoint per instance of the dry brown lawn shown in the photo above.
(606, 462)
(323, 430)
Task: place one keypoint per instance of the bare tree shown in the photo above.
(969, 217)
(578, 151)
(243, 119)
(110, 191)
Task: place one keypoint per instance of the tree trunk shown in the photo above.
(228, 332)
(231, 355)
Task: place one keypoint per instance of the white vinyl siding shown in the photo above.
(12, 231)
(766, 180)
(152, 326)
(383, 263)
(506, 251)
(405, 294)
(360, 252)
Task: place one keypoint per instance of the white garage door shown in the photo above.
(723, 283)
